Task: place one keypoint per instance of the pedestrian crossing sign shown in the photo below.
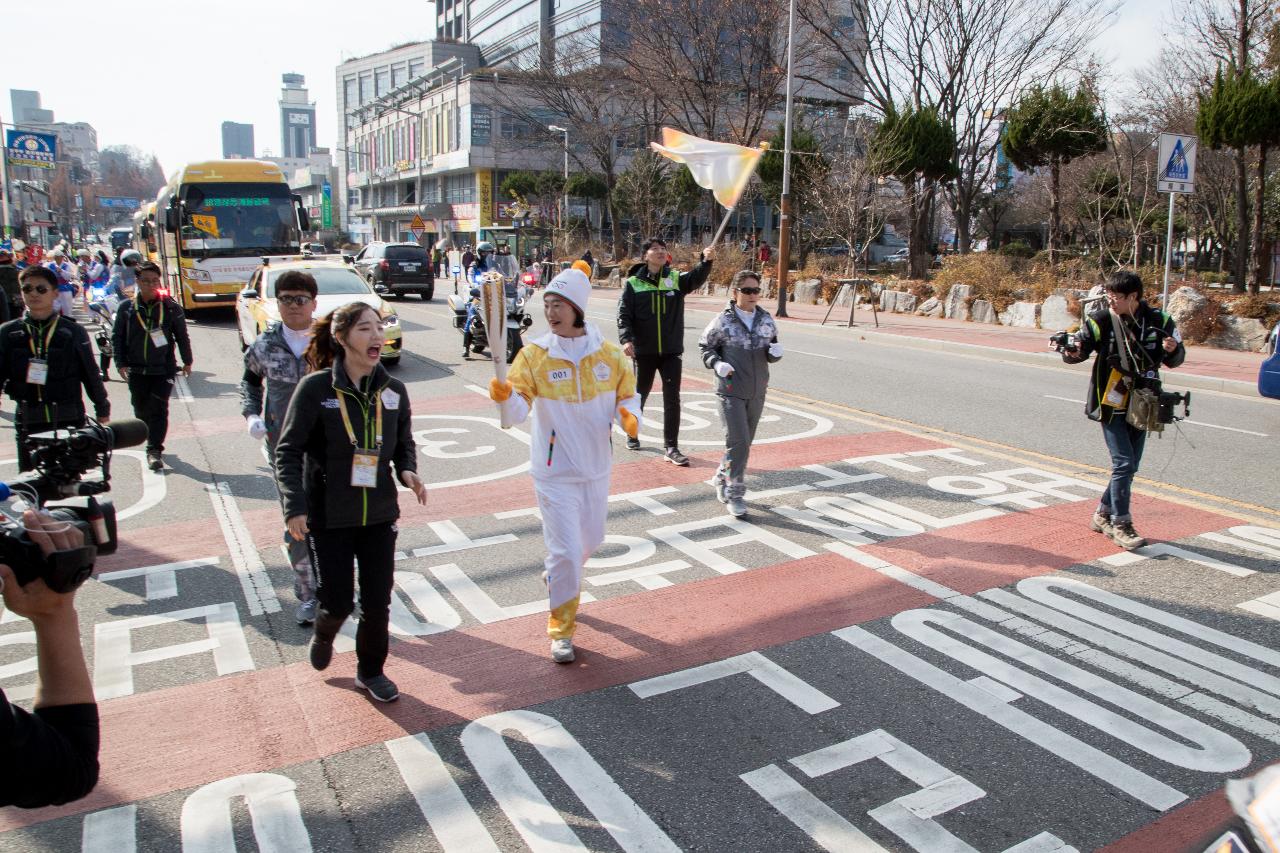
(1176, 162)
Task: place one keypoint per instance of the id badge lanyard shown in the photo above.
(152, 334)
(38, 366)
(364, 460)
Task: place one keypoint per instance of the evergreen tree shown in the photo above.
(918, 148)
(1238, 112)
(1051, 127)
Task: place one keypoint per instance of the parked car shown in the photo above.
(899, 257)
(337, 284)
(315, 248)
(401, 267)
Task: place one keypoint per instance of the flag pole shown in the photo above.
(784, 218)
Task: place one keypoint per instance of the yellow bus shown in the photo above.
(144, 232)
(220, 218)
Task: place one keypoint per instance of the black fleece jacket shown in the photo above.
(314, 454)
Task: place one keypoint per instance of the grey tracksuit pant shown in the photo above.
(740, 417)
(304, 584)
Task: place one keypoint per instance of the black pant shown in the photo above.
(669, 368)
(334, 555)
(25, 423)
(150, 397)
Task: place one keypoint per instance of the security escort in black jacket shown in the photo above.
(148, 328)
(651, 330)
(45, 360)
(348, 425)
(1149, 340)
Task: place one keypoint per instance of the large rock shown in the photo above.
(906, 303)
(894, 301)
(1021, 314)
(981, 311)
(807, 291)
(844, 294)
(931, 307)
(1239, 333)
(1056, 314)
(956, 306)
(615, 278)
(1185, 303)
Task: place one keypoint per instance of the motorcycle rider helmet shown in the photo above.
(484, 246)
(130, 257)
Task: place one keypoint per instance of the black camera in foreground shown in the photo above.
(61, 458)
(1169, 400)
(1063, 341)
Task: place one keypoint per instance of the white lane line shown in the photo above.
(258, 591)
(814, 354)
(1188, 421)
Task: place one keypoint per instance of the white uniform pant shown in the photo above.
(573, 519)
(65, 302)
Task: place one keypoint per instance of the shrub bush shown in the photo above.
(1016, 249)
(1261, 307)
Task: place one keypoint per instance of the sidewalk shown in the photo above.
(1229, 371)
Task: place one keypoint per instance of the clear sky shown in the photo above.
(164, 75)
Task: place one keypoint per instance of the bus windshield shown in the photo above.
(236, 219)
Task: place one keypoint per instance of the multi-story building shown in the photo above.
(26, 108)
(237, 140)
(297, 117)
(425, 130)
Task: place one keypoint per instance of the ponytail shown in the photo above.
(325, 345)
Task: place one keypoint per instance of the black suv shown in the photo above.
(400, 267)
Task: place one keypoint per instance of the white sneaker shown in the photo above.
(737, 507)
(562, 651)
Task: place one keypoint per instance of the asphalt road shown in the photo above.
(911, 643)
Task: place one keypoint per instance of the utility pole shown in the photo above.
(784, 221)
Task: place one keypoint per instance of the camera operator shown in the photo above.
(1132, 341)
(50, 756)
(45, 358)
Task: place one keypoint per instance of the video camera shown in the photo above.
(1064, 341)
(61, 458)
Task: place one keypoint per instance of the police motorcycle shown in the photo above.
(102, 313)
(518, 319)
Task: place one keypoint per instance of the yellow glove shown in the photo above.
(499, 390)
(630, 425)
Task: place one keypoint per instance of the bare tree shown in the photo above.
(966, 57)
(844, 201)
(713, 69)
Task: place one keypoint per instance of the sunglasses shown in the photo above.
(749, 291)
(297, 301)
(36, 288)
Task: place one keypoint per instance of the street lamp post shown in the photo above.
(784, 232)
(564, 202)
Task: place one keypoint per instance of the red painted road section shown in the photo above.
(150, 546)
(250, 723)
(999, 551)
(1182, 830)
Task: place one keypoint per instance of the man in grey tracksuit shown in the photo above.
(739, 345)
(277, 358)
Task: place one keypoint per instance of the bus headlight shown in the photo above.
(197, 274)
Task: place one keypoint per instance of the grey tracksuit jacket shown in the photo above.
(742, 393)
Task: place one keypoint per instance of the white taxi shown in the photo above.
(337, 284)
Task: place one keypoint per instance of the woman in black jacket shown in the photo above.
(347, 425)
(45, 361)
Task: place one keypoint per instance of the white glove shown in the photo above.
(257, 427)
(775, 349)
(724, 369)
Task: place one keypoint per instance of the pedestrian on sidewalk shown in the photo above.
(276, 359)
(1132, 341)
(10, 294)
(347, 425)
(651, 331)
(45, 361)
(577, 385)
(147, 330)
(739, 345)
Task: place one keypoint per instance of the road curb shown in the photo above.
(1174, 378)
